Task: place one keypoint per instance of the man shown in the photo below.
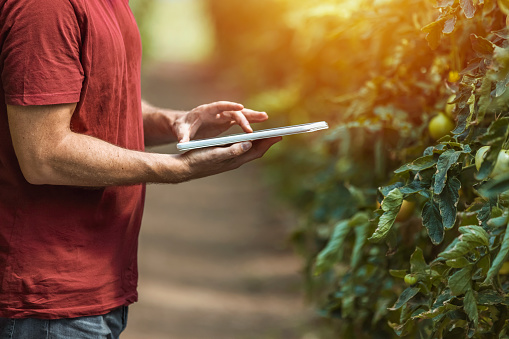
(72, 166)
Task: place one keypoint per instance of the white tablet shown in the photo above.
(262, 134)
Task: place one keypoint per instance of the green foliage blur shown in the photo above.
(174, 31)
(402, 234)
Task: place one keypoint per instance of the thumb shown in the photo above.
(234, 150)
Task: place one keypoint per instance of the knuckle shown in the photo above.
(236, 151)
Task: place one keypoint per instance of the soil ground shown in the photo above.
(214, 257)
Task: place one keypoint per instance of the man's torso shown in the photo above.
(69, 251)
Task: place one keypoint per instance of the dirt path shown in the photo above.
(214, 260)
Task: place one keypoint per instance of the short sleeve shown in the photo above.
(40, 53)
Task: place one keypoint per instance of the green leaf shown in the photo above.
(463, 116)
(466, 111)
(484, 214)
(498, 222)
(484, 265)
(496, 132)
(330, 254)
(440, 306)
(385, 190)
(437, 313)
(442, 299)
(458, 250)
(468, 8)
(433, 222)
(434, 33)
(449, 247)
(417, 262)
(391, 206)
(500, 258)
(483, 47)
(419, 164)
(484, 99)
(402, 330)
(414, 187)
(460, 281)
(405, 296)
(358, 219)
(448, 202)
(361, 234)
(489, 297)
(458, 263)
(492, 188)
(445, 161)
(381, 308)
(470, 305)
(348, 300)
(475, 235)
(398, 273)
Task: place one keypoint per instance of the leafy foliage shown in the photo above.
(378, 76)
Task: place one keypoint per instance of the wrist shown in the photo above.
(171, 169)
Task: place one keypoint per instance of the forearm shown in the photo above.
(49, 152)
(81, 160)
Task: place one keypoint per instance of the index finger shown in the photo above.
(240, 119)
(221, 106)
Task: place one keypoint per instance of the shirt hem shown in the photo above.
(64, 313)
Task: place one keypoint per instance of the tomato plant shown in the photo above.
(380, 76)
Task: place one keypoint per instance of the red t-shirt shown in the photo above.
(69, 251)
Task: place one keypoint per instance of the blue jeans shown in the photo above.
(107, 326)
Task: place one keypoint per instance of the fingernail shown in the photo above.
(246, 146)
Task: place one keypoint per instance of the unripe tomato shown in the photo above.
(410, 279)
(501, 165)
(406, 211)
(450, 107)
(480, 155)
(440, 125)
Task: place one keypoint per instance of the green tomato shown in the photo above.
(501, 165)
(480, 155)
(440, 125)
(406, 210)
(449, 108)
(410, 279)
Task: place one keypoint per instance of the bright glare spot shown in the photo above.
(180, 31)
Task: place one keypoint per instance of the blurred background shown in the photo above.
(215, 258)
(278, 248)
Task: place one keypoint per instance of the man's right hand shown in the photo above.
(209, 161)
